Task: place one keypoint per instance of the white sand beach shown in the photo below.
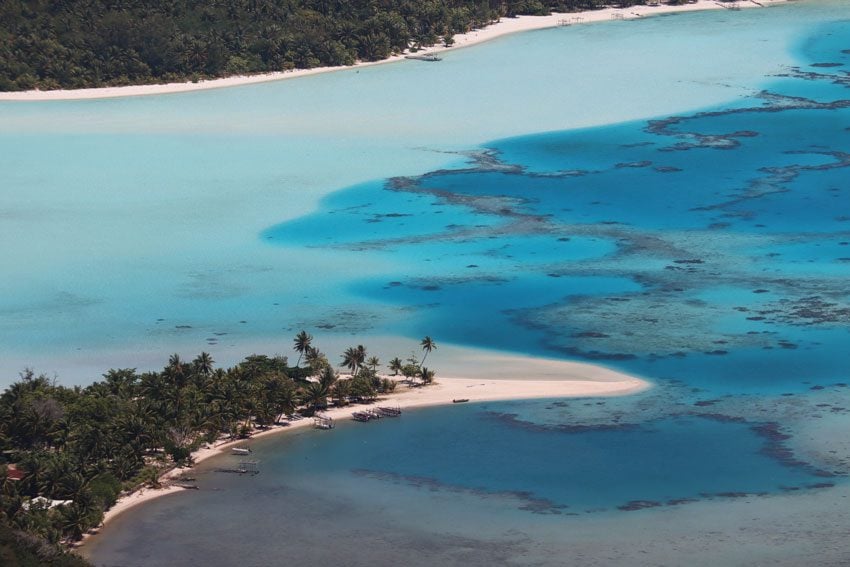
(541, 378)
(503, 27)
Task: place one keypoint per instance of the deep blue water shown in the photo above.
(489, 450)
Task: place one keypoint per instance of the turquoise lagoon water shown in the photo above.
(694, 230)
(132, 223)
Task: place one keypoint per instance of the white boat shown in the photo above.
(241, 451)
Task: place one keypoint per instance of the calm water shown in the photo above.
(694, 230)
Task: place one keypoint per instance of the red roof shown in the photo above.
(14, 474)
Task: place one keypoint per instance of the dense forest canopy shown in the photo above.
(47, 44)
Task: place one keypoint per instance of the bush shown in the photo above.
(105, 489)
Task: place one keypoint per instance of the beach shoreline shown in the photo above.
(503, 27)
(546, 378)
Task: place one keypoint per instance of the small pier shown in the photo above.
(323, 422)
(187, 482)
(249, 467)
(424, 57)
(367, 415)
(379, 412)
(570, 21)
(389, 412)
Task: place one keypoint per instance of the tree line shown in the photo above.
(94, 43)
(86, 445)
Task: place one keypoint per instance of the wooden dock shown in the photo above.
(323, 422)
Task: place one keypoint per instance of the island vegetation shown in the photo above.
(68, 453)
(94, 43)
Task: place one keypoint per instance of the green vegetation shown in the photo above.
(67, 453)
(19, 549)
(94, 43)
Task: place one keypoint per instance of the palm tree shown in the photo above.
(315, 395)
(302, 344)
(395, 366)
(74, 521)
(361, 355)
(314, 358)
(427, 345)
(175, 365)
(341, 391)
(35, 470)
(427, 375)
(373, 363)
(328, 378)
(353, 357)
(204, 364)
(282, 395)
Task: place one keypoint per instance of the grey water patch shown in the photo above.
(219, 284)
(343, 321)
(514, 420)
(782, 421)
(438, 283)
(63, 303)
(526, 500)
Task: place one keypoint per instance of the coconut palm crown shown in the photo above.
(427, 345)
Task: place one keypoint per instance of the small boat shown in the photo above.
(460, 400)
(241, 451)
(361, 416)
(389, 412)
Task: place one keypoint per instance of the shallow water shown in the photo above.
(697, 235)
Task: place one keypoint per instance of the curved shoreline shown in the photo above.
(505, 26)
(547, 378)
